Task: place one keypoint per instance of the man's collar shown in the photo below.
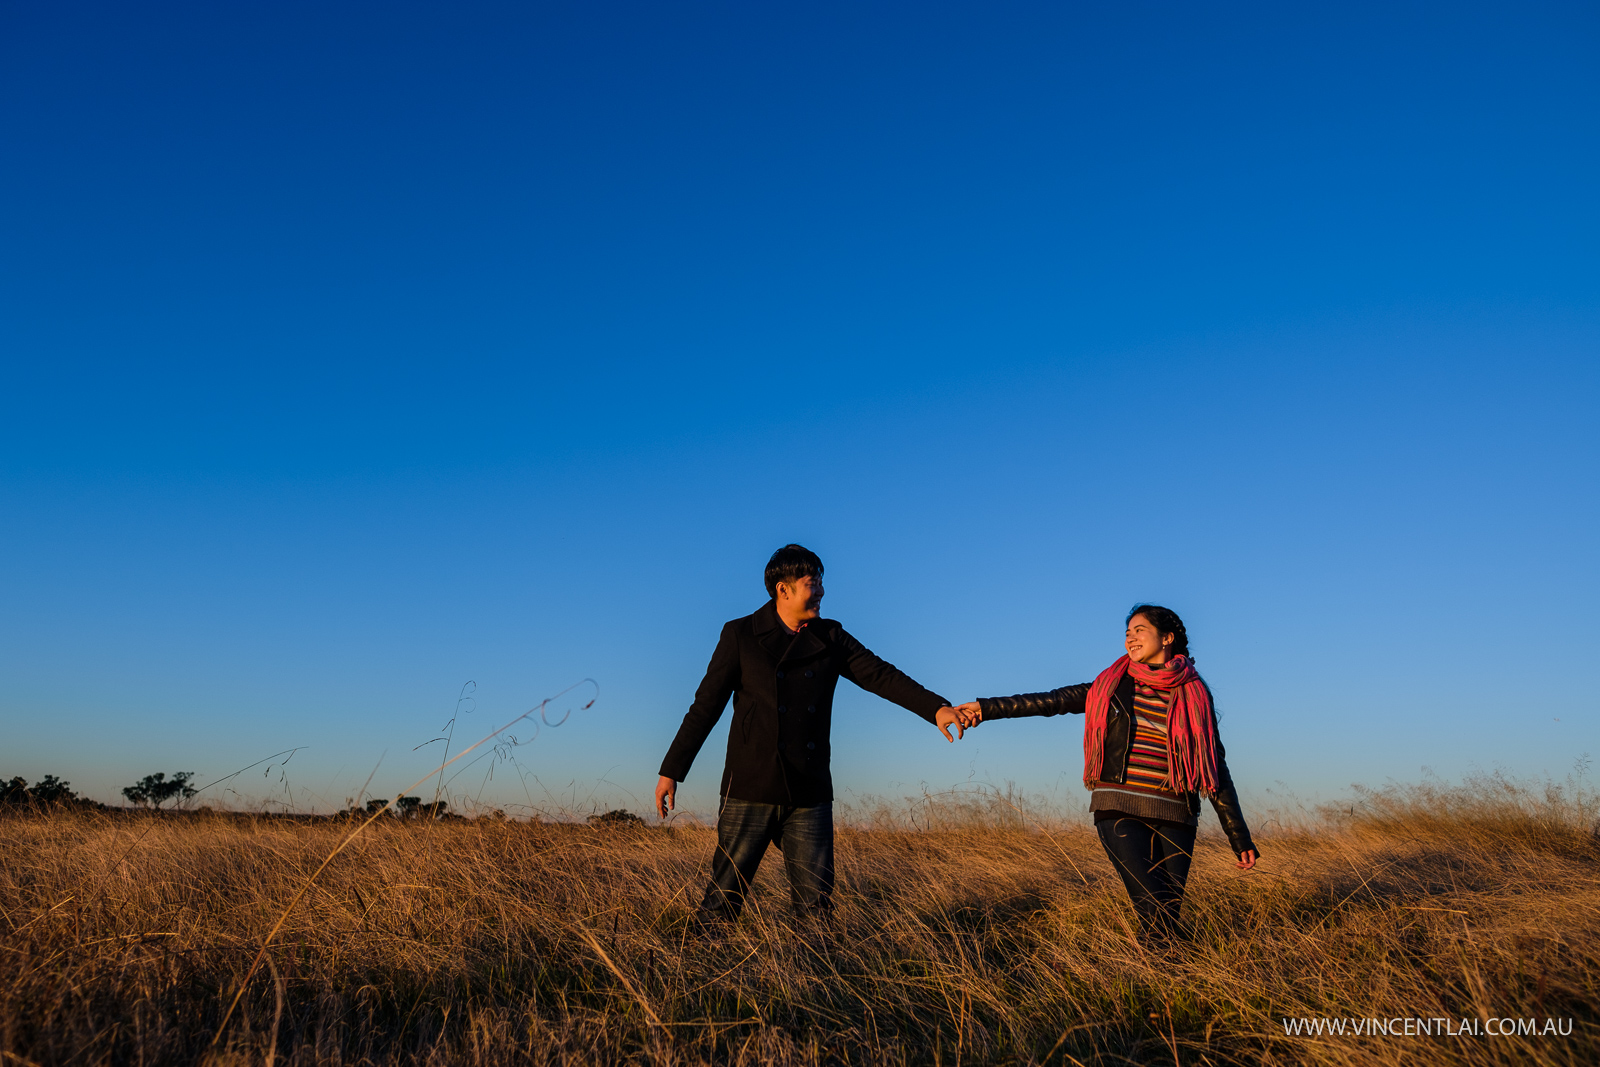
(766, 617)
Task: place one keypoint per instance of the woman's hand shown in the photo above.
(1247, 859)
(970, 713)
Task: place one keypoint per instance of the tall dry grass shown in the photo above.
(964, 934)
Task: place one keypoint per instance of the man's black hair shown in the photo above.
(789, 564)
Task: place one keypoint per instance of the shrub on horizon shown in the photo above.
(619, 817)
(47, 790)
(154, 790)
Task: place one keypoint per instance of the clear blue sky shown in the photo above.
(355, 351)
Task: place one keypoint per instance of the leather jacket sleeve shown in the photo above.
(1226, 804)
(1068, 700)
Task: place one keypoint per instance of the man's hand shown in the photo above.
(970, 713)
(666, 795)
(1247, 859)
(946, 718)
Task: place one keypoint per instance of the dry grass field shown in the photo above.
(964, 935)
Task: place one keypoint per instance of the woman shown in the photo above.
(1150, 751)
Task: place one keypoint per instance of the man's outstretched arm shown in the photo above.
(722, 678)
(884, 679)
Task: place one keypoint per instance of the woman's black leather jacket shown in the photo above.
(1071, 699)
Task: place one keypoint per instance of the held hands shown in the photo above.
(1247, 859)
(970, 713)
(963, 717)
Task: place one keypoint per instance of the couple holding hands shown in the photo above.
(1150, 747)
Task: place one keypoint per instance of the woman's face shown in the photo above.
(1146, 644)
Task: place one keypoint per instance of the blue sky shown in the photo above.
(354, 353)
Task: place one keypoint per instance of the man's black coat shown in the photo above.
(782, 687)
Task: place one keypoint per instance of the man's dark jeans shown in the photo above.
(1153, 859)
(744, 830)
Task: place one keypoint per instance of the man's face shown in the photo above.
(801, 598)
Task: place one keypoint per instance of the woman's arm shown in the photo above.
(1068, 700)
(1225, 802)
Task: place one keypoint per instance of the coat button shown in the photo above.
(810, 745)
(811, 707)
(808, 674)
(780, 676)
(783, 707)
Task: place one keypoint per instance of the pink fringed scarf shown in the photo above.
(1191, 726)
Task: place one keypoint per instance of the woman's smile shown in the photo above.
(1146, 644)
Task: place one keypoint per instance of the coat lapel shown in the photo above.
(1122, 695)
(770, 634)
(773, 636)
(805, 645)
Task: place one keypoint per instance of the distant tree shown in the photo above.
(48, 790)
(376, 805)
(434, 810)
(408, 806)
(52, 790)
(156, 789)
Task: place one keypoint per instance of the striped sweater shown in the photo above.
(1147, 794)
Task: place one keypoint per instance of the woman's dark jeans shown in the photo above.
(744, 830)
(1153, 859)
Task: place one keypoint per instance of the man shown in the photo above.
(781, 665)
